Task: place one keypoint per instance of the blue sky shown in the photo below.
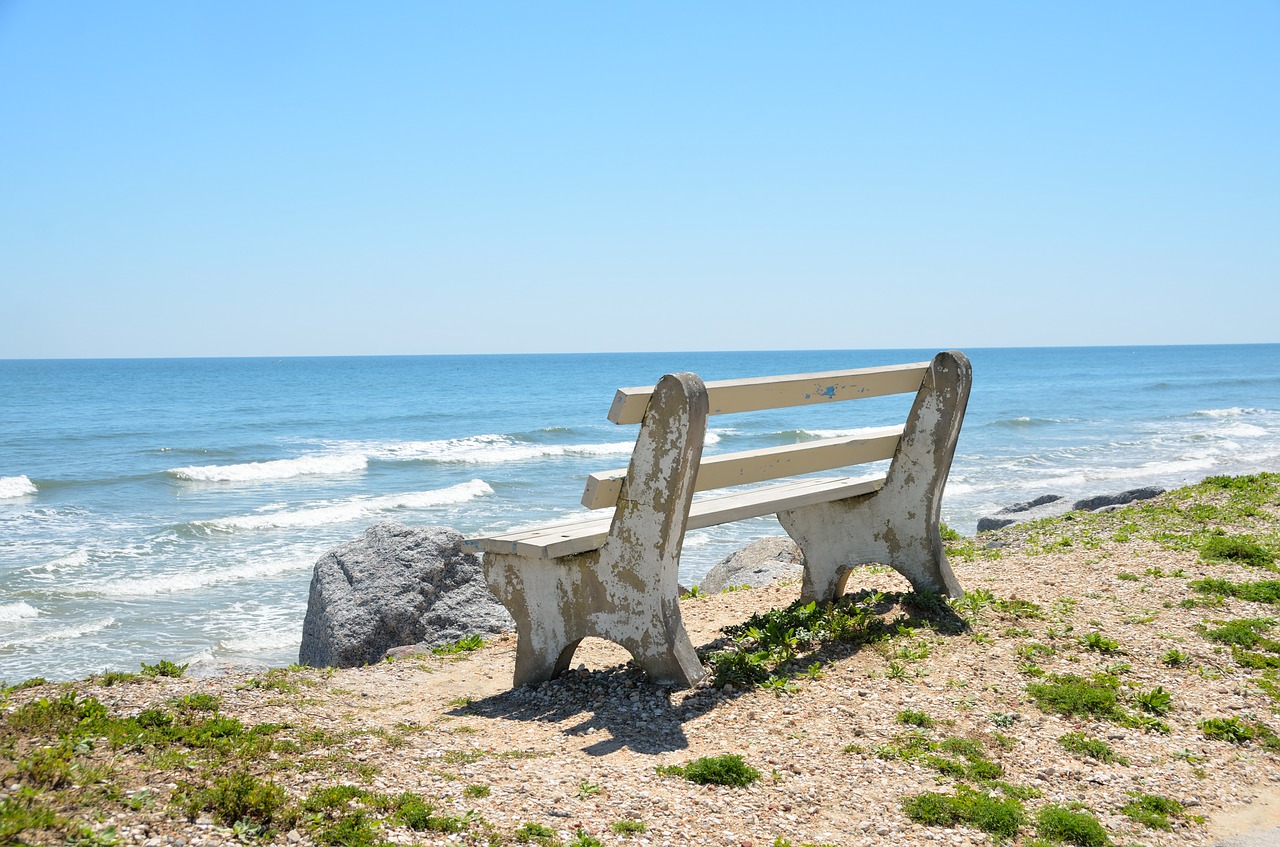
(310, 178)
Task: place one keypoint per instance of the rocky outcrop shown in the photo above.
(395, 585)
(1124, 498)
(1047, 506)
(760, 563)
(1052, 505)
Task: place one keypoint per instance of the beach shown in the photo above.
(860, 728)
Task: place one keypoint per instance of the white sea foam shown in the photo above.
(1233, 412)
(79, 630)
(350, 510)
(1242, 430)
(11, 613)
(342, 463)
(185, 581)
(15, 486)
(696, 539)
(262, 642)
(74, 561)
(842, 433)
(484, 449)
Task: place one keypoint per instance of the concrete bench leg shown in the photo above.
(626, 591)
(897, 525)
(558, 602)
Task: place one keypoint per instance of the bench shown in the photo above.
(613, 574)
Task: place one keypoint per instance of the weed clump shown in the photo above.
(164, 667)
(1098, 697)
(1082, 745)
(1261, 591)
(1000, 818)
(1237, 731)
(1072, 826)
(1072, 695)
(1152, 810)
(536, 833)
(463, 645)
(241, 798)
(1240, 549)
(914, 717)
(730, 769)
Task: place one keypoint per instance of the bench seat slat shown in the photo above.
(569, 538)
(728, 396)
(749, 466)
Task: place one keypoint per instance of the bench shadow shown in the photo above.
(620, 702)
(633, 713)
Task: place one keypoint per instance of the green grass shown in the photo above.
(913, 717)
(535, 833)
(1153, 811)
(730, 769)
(1071, 826)
(1260, 591)
(1094, 697)
(1001, 818)
(628, 827)
(462, 645)
(957, 758)
(1081, 745)
(242, 797)
(1075, 696)
(1239, 549)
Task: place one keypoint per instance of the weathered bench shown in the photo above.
(612, 574)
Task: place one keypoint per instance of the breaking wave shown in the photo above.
(488, 449)
(15, 486)
(350, 510)
(176, 583)
(19, 611)
(277, 469)
(1233, 412)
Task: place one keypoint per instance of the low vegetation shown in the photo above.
(729, 769)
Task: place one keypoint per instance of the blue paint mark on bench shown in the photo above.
(830, 391)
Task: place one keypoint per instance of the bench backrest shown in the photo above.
(760, 393)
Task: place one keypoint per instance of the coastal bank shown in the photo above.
(1116, 667)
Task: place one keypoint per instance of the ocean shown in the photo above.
(173, 509)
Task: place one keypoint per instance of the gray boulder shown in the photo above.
(1053, 505)
(1045, 506)
(395, 585)
(1124, 498)
(760, 563)
(1042, 500)
(988, 524)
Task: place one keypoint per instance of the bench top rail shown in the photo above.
(729, 396)
(749, 466)
(582, 535)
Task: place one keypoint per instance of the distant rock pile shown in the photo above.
(394, 586)
(1052, 505)
(760, 563)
